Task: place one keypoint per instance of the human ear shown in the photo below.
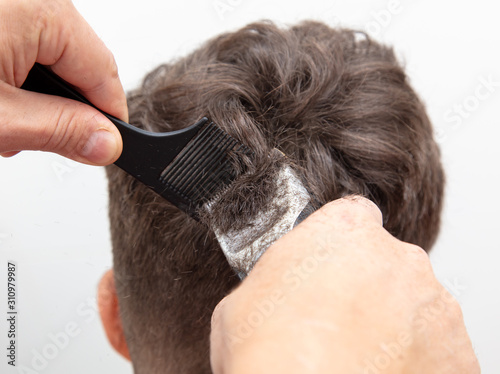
(107, 301)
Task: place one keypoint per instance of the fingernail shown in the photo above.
(101, 147)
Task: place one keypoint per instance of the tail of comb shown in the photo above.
(187, 167)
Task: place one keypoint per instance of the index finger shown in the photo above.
(343, 224)
(353, 205)
(75, 53)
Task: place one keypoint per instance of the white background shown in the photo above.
(53, 220)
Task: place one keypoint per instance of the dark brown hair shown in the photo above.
(334, 101)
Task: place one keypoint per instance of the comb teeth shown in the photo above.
(203, 166)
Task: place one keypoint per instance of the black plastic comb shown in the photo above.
(187, 167)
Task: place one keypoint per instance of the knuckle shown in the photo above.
(417, 254)
(473, 363)
(451, 301)
(352, 210)
(57, 133)
(338, 210)
(454, 308)
(45, 13)
(416, 250)
(113, 68)
(418, 260)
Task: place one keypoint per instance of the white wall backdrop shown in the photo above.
(53, 220)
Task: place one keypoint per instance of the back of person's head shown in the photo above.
(336, 103)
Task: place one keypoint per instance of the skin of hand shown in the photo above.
(339, 294)
(53, 33)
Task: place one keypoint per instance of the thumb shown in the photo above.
(33, 121)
